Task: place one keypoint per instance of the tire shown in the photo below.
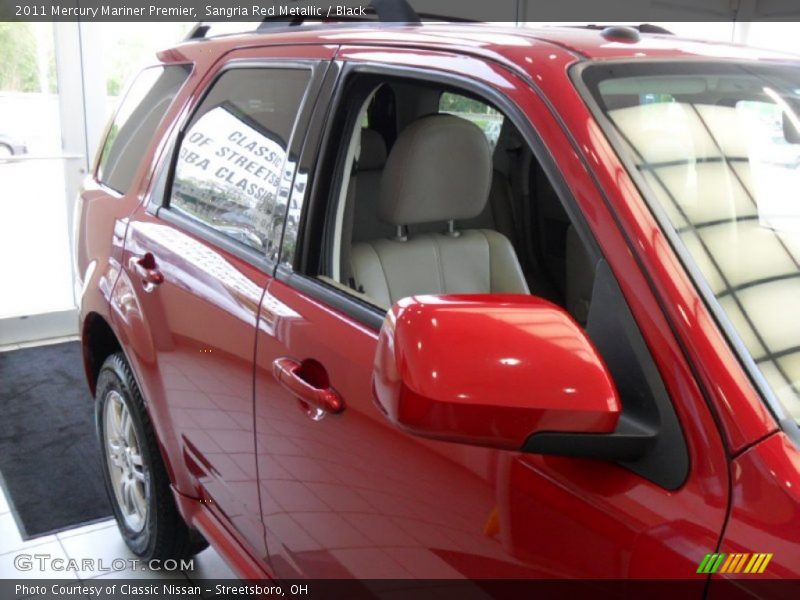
(6, 151)
(133, 470)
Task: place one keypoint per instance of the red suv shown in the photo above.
(451, 301)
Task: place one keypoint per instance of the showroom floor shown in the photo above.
(97, 541)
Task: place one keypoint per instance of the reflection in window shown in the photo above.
(231, 163)
(721, 157)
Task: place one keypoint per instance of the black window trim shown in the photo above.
(158, 202)
(577, 73)
(107, 131)
(364, 312)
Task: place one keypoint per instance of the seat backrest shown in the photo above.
(496, 215)
(478, 261)
(439, 171)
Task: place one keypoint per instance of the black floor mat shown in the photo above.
(49, 456)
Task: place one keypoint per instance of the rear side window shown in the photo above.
(232, 156)
(136, 120)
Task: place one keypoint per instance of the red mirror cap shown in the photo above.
(490, 370)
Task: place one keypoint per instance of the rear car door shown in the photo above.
(195, 264)
(347, 494)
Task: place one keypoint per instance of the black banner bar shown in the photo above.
(597, 11)
(152, 589)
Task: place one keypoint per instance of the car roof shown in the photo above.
(482, 39)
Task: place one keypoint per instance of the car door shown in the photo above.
(344, 493)
(195, 264)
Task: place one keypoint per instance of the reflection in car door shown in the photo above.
(195, 269)
(346, 494)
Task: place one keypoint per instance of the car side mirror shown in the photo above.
(491, 370)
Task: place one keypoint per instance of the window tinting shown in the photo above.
(136, 120)
(719, 147)
(233, 154)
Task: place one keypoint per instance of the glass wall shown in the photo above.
(34, 236)
(49, 71)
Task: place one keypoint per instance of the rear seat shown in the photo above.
(366, 224)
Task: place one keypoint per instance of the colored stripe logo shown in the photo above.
(735, 563)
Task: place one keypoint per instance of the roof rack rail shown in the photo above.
(642, 28)
(386, 11)
(650, 28)
(198, 32)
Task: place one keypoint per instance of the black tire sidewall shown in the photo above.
(112, 377)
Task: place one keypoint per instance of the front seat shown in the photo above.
(439, 171)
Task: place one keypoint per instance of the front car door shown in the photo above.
(348, 495)
(196, 262)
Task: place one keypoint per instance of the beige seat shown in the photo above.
(439, 171)
(366, 224)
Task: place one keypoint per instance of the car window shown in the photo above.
(719, 149)
(233, 153)
(135, 122)
(358, 230)
(489, 119)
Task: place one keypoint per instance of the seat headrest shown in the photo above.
(439, 169)
(373, 151)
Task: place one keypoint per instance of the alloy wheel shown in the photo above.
(129, 476)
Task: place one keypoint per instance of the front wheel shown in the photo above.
(136, 480)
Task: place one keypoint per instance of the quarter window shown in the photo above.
(136, 121)
(232, 157)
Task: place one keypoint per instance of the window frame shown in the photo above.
(316, 203)
(190, 68)
(577, 73)
(160, 194)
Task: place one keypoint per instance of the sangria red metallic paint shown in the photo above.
(471, 393)
(216, 345)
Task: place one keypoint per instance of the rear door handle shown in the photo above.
(289, 373)
(147, 270)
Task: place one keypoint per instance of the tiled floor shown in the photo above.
(97, 541)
